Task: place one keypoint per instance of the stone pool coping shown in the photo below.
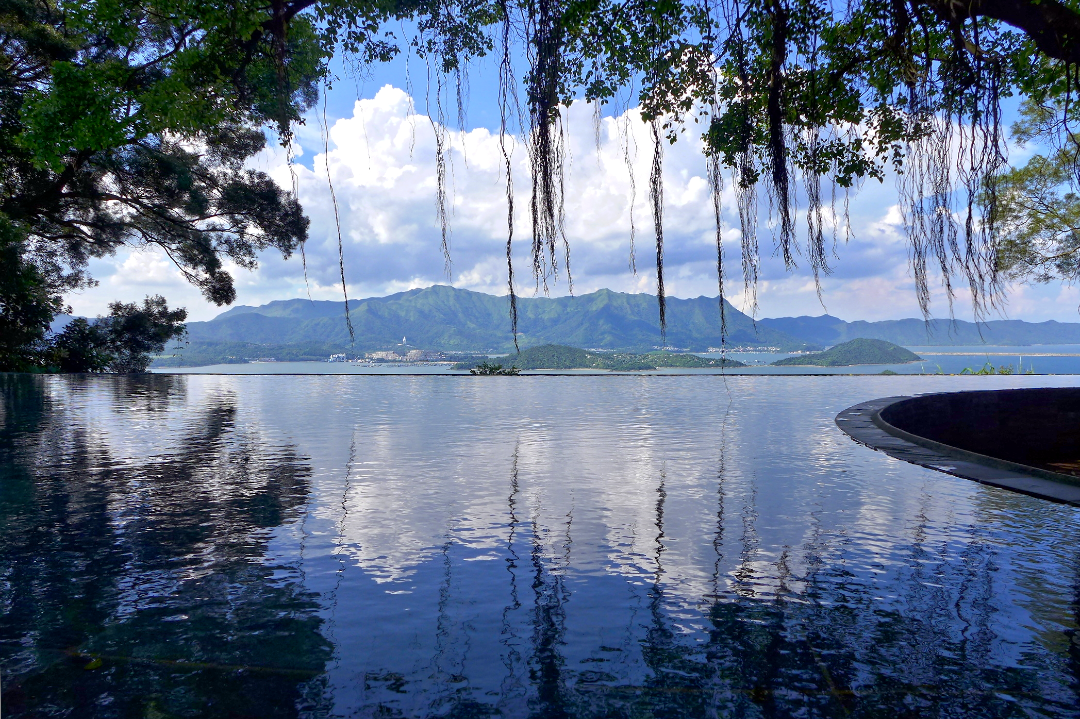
(864, 424)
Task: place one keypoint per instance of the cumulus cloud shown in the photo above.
(380, 164)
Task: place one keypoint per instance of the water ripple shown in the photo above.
(549, 546)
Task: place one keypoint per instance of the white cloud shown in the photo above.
(381, 164)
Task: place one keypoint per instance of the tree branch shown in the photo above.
(1052, 26)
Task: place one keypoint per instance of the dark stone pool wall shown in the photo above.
(1036, 427)
(1026, 440)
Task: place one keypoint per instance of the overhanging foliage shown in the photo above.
(128, 122)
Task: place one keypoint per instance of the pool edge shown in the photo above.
(863, 423)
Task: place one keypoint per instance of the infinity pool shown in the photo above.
(593, 546)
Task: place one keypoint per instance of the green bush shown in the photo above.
(490, 368)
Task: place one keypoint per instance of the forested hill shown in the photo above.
(449, 319)
(859, 351)
(562, 357)
(828, 331)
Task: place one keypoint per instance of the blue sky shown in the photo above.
(381, 159)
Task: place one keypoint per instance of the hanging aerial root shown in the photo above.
(815, 235)
(625, 136)
(442, 149)
(780, 185)
(337, 219)
(744, 171)
(506, 84)
(656, 199)
(547, 147)
(597, 124)
(716, 187)
(746, 200)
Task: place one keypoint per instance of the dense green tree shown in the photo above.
(794, 92)
(127, 122)
(138, 332)
(1039, 205)
(27, 305)
(1040, 218)
(81, 347)
(124, 341)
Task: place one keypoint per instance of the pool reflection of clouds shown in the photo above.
(465, 537)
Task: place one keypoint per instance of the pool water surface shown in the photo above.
(455, 546)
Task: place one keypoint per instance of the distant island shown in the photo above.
(855, 352)
(563, 357)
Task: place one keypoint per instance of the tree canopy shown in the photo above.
(129, 122)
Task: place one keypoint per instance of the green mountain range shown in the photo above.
(461, 321)
(828, 331)
(455, 320)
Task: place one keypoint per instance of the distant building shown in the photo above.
(337, 358)
(424, 356)
(388, 356)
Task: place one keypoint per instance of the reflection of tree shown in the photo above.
(546, 664)
(444, 676)
(143, 589)
(777, 658)
(141, 392)
(24, 404)
(339, 551)
(835, 655)
(513, 683)
(830, 649)
(1052, 598)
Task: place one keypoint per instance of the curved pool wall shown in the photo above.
(1019, 439)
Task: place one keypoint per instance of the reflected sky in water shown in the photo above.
(601, 546)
